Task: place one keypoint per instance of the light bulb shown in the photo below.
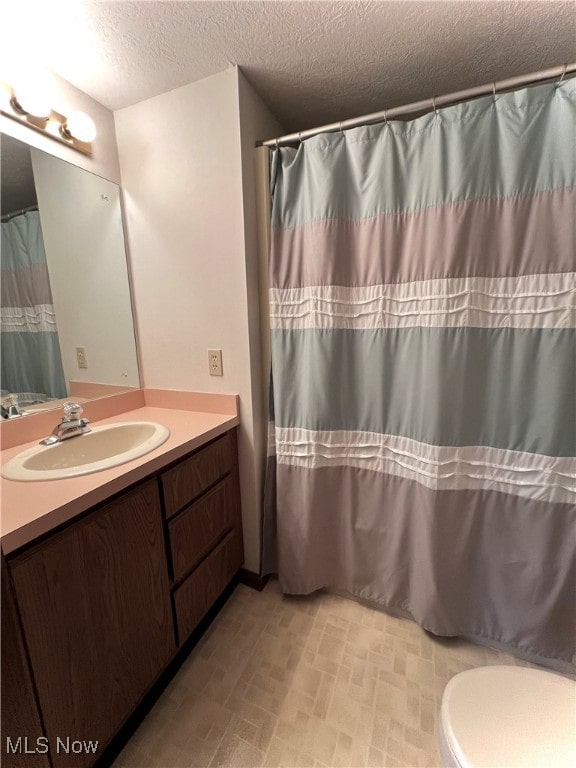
(5, 95)
(80, 126)
(31, 99)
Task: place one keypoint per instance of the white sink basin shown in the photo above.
(102, 448)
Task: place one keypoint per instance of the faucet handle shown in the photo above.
(72, 411)
(10, 403)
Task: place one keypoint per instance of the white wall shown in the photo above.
(181, 177)
(84, 242)
(182, 157)
(65, 98)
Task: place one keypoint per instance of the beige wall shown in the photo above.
(67, 98)
(182, 156)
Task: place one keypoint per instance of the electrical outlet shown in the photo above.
(215, 362)
(81, 357)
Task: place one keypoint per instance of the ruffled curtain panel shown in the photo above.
(31, 362)
(422, 302)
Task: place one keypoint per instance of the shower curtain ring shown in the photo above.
(276, 141)
(494, 90)
(341, 131)
(386, 117)
(563, 75)
(300, 136)
(434, 105)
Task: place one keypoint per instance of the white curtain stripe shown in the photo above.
(530, 301)
(521, 473)
(40, 318)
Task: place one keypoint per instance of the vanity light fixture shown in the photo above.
(30, 107)
(79, 125)
(31, 102)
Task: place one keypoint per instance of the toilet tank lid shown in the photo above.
(510, 716)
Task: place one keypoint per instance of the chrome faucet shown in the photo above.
(10, 407)
(72, 425)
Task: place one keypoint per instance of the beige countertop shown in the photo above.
(32, 509)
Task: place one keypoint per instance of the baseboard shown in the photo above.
(253, 580)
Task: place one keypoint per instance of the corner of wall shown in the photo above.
(256, 122)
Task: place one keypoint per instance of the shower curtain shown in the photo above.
(423, 394)
(30, 363)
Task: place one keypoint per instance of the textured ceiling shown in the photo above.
(312, 62)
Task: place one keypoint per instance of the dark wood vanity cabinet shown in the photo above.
(104, 604)
(202, 500)
(96, 618)
(19, 715)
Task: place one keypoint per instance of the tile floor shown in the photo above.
(302, 682)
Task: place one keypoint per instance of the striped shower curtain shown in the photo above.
(422, 307)
(30, 358)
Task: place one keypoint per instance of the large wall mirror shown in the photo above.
(66, 329)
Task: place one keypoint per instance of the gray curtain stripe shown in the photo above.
(26, 287)
(444, 386)
(524, 235)
(472, 563)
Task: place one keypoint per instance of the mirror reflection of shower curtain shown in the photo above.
(31, 362)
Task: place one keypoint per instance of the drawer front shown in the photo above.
(186, 480)
(194, 598)
(195, 531)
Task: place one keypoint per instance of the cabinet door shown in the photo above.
(22, 733)
(94, 602)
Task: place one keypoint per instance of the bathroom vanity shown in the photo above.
(96, 607)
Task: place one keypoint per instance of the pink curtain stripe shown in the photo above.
(522, 235)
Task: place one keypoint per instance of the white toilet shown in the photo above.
(499, 717)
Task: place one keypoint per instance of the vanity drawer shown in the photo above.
(186, 480)
(194, 598)
(195, 531)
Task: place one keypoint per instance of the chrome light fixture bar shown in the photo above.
(77, 130)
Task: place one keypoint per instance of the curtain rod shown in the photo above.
(424, 106)
(8, 216)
